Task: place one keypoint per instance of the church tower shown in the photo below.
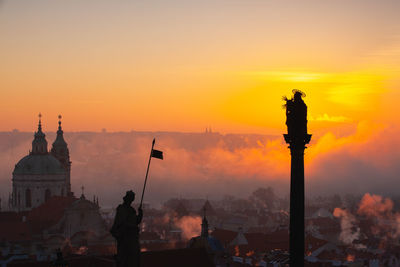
(204, 226)
(39, 143)
(60, 151)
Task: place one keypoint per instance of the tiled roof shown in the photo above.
(194, 257)
(278, 239)
(312, 243)
(225, 236)
(256, 241)
(11, 216)
(14, 231)
(144, 236)
(157, 246)
(49, 213)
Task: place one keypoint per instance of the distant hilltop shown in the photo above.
(187, 139)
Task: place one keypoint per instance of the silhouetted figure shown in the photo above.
(59, 262)
(297, 138)
(296, 117)
(126, 231)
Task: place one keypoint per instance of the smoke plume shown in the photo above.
(190, 226)
(348, 224)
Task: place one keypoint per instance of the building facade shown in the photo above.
(42, 173)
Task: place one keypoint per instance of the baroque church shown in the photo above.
(44, 214)
(42, 173)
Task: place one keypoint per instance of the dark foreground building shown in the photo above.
(194, 257)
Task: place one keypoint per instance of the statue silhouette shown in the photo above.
(126, 231)
(296, 117)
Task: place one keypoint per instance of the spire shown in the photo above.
(60, 135)
(59, 123)
(39, 143)
(204, 225)
(40, 123)
(83, 191)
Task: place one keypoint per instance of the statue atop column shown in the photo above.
(126, 231)
(296, 120)
(297, 138)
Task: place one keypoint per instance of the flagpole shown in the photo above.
(147, 172)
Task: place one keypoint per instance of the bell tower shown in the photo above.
(60, 151)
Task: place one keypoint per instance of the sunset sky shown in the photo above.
(185, 65)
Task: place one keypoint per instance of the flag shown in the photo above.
(157, 154)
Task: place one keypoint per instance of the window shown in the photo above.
(47, 194)
(82, 217)
(28, 198)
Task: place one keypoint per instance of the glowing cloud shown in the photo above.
(287, 76)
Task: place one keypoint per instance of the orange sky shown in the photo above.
(186, 65)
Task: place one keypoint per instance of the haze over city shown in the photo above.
(213, 165)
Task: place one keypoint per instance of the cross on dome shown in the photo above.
(59, 122)
(83, 190)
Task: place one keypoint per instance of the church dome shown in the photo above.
(83, 204)
(39, 164)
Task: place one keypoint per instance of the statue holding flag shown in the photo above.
(126, 227)
(126, 231)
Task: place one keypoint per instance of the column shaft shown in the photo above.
(296, 230)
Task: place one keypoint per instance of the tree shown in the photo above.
(263, 198)
(336, 201)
